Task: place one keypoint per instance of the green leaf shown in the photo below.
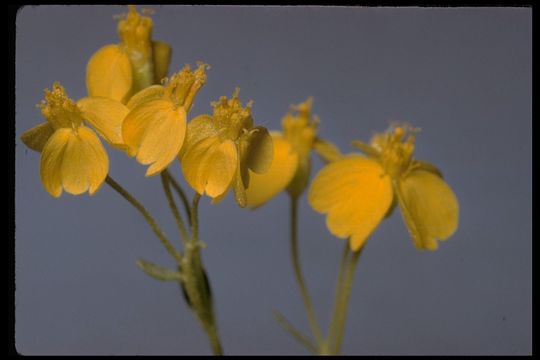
(159, 272)
(295, 333)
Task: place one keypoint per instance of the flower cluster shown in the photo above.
(136, 108)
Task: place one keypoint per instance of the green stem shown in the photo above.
(295, 257)
(337, 296)
(196, 283)
(149, 219)
(295, 333)
(165, 181)
(180, 193)
(195, 217)
(348, 265)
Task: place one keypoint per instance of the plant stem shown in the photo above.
(337, 297)
(180, 193)
(295, 257)
(149, 219)
(196, 283)
(195, 217)
(348, 265)
(295, 333)
(165, 181)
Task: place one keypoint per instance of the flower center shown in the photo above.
(135, 31)
(301, 129)
(59, 109)
(231, 119)
(396, 148)
(182, 87)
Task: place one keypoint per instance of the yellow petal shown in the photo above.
(162, 58)
(154, 92)
(200, 127)
(85, 162)
(239, 186)
(36, 137)
(355, 194)
(263, 187)
(210, 165)
(256, 153)
(108, 74)
(259, 151)
(106, 116)
(154, 131)
(429, 208)
(426, 166)
(300, 180)
(51, 161)
(220, 198)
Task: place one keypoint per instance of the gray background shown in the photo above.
(461, 74)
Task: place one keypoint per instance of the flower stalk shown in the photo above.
(149, 219)
(295, 257)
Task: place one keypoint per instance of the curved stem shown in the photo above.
(180, 193)
(165, 181)
(298, 273)
(149, 219)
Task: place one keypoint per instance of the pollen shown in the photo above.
(396, 148)
(301, 129)
(59, 109)
(230, 117)
(183, 86)
(135, 30)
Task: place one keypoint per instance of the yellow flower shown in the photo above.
(72, 156)
(357, 192)
(222, 148)
(119, 70)
(155, 128)
(292, 157)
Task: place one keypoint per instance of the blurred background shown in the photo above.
(463, 75)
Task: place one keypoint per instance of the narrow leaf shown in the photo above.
(158, 272)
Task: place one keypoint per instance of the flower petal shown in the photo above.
(259, 151)
(108, 73)
(355, 193)
(161, 52)
(263, 187)
(106, 116)
(429, 208)
(239, 184)
(210, 165)
(222, 166)
(426, 166)
(154, 92)
(154, 131)
(300, 180)
(51, 161)
(85, 163)
(200, 127)
(36, 137)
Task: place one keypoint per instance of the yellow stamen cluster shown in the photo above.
(395, 148)
(301, 130)
(135, 31)
(59, 109)
(230, 118)
(182, 87)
